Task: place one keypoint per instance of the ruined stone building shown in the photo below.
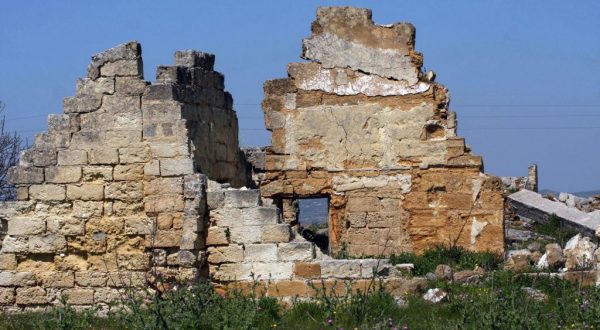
(139, 183)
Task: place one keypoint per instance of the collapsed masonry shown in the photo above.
(137, 183)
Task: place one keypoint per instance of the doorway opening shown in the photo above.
(313, 221)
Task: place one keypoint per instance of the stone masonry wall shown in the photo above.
(361, 124)
(114, 187)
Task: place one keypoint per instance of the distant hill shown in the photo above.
(584, 194)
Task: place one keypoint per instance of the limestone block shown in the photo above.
(126, 279)
(130, 85)
(82, 103)
(93, 243)
(216, 236)
(90, 278)
(127, 191)
(260, 216)
(225, 254)
(133, 261)
(107, 295)
(233, 272)
(357, 220)
(183, 258)
(192, 241)
(159, 186)
(99, 86)
(307, 270)
(341, 268)
(139, 226)
(164, 203)
(56, 279)
(175, 167)
(42, 157)
(85, 192)
(49, 243)
(122, 138)
(63, 174)
(296, 251)
(122, 68)
(7, 296)
(194, 59)
(276, 233)
(25, 175)
(26, 226)
(31, 296)
(242, 198)
(134, 155)
(193, 185)
(86, 210)
(104, 156)
(152, 168)
(13, 278)
(15, 244)
(163, 111)
(165, 238)
(72, 157)
(65, 225)
(93, 173)
(79, 296)
(215, 199)
(169, 150)
(8, 261)
(260, 252)
(247, 235)
(70, 262)
(106, 225)
(47, 192)
(376, 267)
(273, 270)
(128, 172)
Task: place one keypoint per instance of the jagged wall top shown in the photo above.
(347, 37)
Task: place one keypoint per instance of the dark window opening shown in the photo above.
(313, 221)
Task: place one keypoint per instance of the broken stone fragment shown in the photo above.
(347, 37)
(579, 253)
(194, 59)
(435, 295)
(129, 54)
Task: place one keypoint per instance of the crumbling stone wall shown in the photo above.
(117, 183)
(361, 124)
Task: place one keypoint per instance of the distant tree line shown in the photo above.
(11, 145)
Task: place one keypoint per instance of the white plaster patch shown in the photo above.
(333, 51)
(370, 85)
(344, 182)
(476, 229)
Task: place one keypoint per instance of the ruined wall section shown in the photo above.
(110, 196)
(361, 124)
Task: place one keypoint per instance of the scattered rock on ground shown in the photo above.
(469, 276)
(435, 295)
(518, 260)
(579, 253)
(444, 272)
(552, 258)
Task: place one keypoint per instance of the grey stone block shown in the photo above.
(242, 198)
(194, 59)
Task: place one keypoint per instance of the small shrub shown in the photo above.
(455, 256)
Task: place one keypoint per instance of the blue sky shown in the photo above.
(524, 76)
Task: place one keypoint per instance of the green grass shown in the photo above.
(457, 257)
(497, 302)
(555, 229)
